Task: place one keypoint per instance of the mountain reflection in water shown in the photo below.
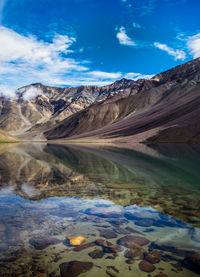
(52, 192)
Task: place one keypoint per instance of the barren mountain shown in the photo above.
(38, 107)
(5, 137)
(164, 109)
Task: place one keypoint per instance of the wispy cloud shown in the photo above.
(137, 26)
(177, 54)
(137, 76)
(25, 59)
(32, 92)
(193, 44)
(2, 4)
(105, 75)
(6, 91)
(123, 38)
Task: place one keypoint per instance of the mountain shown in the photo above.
(162, 109)
(5, 137)
(38, 107)
(165, 108)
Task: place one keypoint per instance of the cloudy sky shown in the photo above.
(94, 42)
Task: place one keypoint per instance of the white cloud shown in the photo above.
(177, 54)
(2, 4)
(137, 76)
(25, 60)
(7, 92)
(123, 38)
(137, 26)
(105, 75)
(18, 48)
(31, 93)
(193, 44)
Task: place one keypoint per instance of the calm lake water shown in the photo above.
(99, 211)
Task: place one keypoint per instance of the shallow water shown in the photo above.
(138, 210)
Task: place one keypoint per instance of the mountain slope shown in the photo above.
(41, 107)
(166, 109)
(5, 137)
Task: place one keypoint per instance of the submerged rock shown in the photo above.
(96, 254)
(41, 243)
(108, 234)
(132, 241)
(138, 252)
(74, 268)
(146, 267)
(109, 247)
(152, 259)
(84, 246)
(131, 230)
(157, 253)
(77, 240)
(111, 273)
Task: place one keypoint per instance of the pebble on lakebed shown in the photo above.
(146, 266)
(77, 240)
(74, 268)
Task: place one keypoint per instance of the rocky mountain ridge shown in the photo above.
(139, 110)
(37, 104)
(168, 101)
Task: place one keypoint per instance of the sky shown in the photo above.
(94, 42)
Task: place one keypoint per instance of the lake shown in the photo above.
(79, 210)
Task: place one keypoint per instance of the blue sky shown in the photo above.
(88, 42)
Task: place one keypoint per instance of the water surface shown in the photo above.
(138, 210)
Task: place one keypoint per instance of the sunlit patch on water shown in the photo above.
(69, 212)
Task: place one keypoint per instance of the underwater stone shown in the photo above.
(77, 240)
(111, 273)
(74, 268)
(84, 246)
(108, 234)
(138, 252)
(131, 230)
(132, 241)
(96, 254)
(152, 259)
(41, 243)
(146, 267)
(157, 253)
(108, 247)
